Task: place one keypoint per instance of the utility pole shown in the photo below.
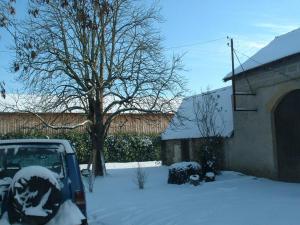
(232, 75)
(234, 92)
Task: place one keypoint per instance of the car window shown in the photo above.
(13, 158)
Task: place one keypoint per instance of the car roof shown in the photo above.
(65, 143)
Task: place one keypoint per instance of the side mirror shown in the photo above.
(85, 172)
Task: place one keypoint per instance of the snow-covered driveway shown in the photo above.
(234, 199)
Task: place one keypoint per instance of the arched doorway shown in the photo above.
(287, 129)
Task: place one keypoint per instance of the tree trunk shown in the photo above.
(98, 156)
(97, 137)
(102, 159)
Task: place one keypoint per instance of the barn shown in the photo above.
(15, 119)
(265, 107)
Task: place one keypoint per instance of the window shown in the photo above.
(15, 157)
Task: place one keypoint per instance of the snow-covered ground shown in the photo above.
(234, 199)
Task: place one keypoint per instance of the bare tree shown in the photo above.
(102, 57)
(210, 123)
(7, 10)
(207, 113)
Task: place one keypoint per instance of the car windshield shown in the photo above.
(15, 157)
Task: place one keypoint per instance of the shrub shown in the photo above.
(211, 157)
(118, 147)
(179, 173)
(141, 177)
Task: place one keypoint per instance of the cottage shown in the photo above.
(266, 122)
(182, 138)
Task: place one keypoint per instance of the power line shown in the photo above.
(195, 43)
(248, 82)
(172, 47)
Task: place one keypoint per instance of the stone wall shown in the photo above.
(172, 151)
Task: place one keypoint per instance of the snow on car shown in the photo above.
(39, 182)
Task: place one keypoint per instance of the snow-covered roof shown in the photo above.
(42, 104)
(282, 46)
(33, 103)
(183, 124)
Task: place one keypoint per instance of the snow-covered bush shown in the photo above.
(132, 147)
(179, 173)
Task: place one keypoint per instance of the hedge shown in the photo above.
(124, 147)
(132, 147)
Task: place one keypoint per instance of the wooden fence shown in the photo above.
(132, 123)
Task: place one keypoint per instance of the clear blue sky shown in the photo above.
(252, 24)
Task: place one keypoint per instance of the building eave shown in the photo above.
(263, 66)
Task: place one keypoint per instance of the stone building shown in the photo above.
(266, 141)
(266, 121)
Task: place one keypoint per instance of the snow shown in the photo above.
(233, 199)
(36, 210)
(185, 165)
(4, 220)
(33, 103)
(210, 174)
(27, 172)
(38, 104)
(128, 165)
(281, 47)
(183, 124)
(68, 214)
(194, 177)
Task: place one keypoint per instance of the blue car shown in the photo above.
(37, 177)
